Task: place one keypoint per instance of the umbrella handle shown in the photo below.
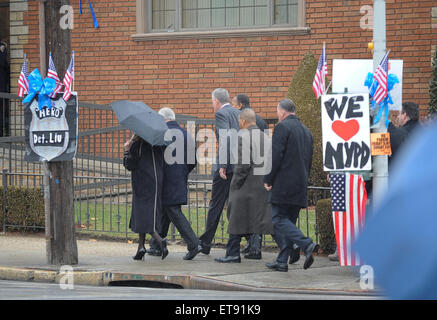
(131, 140)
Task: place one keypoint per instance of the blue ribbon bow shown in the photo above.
(96, 24)
(45, 89)
(383, 106)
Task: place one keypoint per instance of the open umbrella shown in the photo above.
(141, 119)
(399, 240)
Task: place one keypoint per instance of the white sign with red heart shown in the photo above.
(346, 132)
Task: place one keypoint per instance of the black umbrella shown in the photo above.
(149, 125)
(141, 119)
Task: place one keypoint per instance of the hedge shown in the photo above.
(308, 110)
(325, 226)
(24, 207)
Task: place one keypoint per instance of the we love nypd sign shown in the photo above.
(346, 132)
(51, 133)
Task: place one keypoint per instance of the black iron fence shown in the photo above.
(102, 186)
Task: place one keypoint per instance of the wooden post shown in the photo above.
(60, 236)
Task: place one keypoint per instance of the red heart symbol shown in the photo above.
(346, 130)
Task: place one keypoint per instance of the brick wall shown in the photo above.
(182, 73)
(19, 31)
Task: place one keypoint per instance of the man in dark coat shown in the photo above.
(292, 151)
(226, 122)
(242, 102)
(397, 137)
(146, 163)
(174, 190)
(4, 87)
(4, 68)
(408, 120)
(248, 209)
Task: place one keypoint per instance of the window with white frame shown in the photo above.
(201, 15)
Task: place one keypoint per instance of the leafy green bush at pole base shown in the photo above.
(24, 206)
(308, 110)
(325, 226)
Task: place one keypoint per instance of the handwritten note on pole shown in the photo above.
(380, 144)
(346, 132)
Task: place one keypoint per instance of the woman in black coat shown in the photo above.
(146, 164)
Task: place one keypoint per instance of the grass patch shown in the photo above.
(108, 220)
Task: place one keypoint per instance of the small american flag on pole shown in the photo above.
(381, 76)
(349, 197)
(51, 73)
(321, 72)
(23, 82)
(68, 79)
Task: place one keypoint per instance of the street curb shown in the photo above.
(49, 276)
(205, 283)
(110, 278)
(7, 273)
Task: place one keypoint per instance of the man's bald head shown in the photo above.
(247, 118)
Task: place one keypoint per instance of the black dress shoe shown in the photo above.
(254, 255)
(277, 266)
(140, 254)
(229, 259)
(154, 252)
(192, 253)
(205, 249)
(312, 248)
(295, 256)
(246, 249)
(164, 250)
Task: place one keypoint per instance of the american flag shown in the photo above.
(23, 82)
(321, 72)
(68, 79)
(51, 73)
(381, 76)
(349, 197)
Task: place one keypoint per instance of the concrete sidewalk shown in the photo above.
(23, 257)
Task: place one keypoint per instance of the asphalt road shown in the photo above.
(20, 290)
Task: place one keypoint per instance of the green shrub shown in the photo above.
(325, 226)
(308, 111)
(24, 207)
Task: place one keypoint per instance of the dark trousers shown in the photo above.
(175, 215)
(284, 219)
(233, 246)
(219, 196)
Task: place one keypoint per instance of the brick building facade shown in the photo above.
(121, 60)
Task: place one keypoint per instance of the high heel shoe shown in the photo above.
(140, 254)
(164, 250)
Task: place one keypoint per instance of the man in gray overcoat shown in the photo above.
(248, 207)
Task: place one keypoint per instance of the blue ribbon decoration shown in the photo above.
(96, 24)
(383, 106)
(44, 87)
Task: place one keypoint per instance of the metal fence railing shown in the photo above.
(102, 186)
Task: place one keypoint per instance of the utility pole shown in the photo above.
(380, 163)
(61, 243)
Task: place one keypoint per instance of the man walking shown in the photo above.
(248, 209)
(226, 118)
(292, 151)
(242, 102)
(409, 118)
(174, 190)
